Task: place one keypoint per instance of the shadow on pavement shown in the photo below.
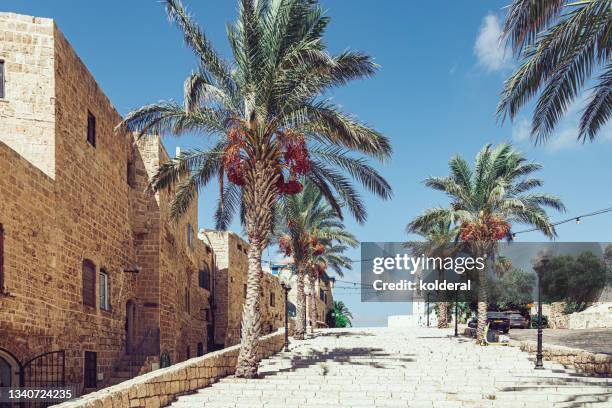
(357, 356)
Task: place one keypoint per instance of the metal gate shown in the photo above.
(43, 371)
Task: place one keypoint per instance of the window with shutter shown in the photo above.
(103, 290)
(90, 370)
(91, 129)
(2, 79)
(89, 283)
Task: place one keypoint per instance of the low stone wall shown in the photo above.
(160, 387)
(581, 360)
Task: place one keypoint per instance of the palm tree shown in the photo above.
(562, 44)
(486, 201)
(269, 126)
(310, 231)
(333, 240)
(440, 241)
(340, 315)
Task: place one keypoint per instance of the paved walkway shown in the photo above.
(593, 340)
(402, 368)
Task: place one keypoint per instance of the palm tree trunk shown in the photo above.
(442, 306)
(443, 315)
(313, 300)
(482, 305)
(259, 196)
(300, 307)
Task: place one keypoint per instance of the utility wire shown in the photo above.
(577, 219)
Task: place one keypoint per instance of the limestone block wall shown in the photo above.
(272, 303)
(65, 200)
(159, 388)
(583, 361)
(230, 283)
(26, 207)
(27, 113)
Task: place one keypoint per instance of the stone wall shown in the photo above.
(581, 360)
(230, 283)
(65, 201)
(27, 113)
(160, 387)
(272, 304)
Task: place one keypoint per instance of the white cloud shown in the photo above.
(490, 52)
(521, 130)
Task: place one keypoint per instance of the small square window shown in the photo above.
(2, 79)
(91, 129)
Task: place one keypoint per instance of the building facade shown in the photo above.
(93, 274)
(323, 291)
(230, 283)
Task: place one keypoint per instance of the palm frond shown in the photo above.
(599, 108)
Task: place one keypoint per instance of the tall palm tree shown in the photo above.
(439, 241)
(562, 43)
(312, 233)
(486, 201)
(269, 126)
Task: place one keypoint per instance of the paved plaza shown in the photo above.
(593, 340)
(381, 367)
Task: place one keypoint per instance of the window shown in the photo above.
(204, 277)
(131, 173)
(188, 352)
(103, 290)
(322, 295)
(91, 129)
(2, 78)
(90, 370)
(244, 288)
(190, 235)
(200, 349)
(187, 301)
(1, 259)
(272, 300)
(89, 283)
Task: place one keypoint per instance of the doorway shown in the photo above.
(130, 314)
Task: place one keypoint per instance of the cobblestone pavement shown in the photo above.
(380, 367)
(593, 340)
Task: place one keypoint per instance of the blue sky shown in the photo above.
(435, 96)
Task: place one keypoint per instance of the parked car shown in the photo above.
(517, 321)
(498, 321)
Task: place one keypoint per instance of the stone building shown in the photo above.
(230, 283)
(323, 290)
(92, 270)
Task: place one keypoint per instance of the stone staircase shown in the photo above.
(415, 368)
(130, 366)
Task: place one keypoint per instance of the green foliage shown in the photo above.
(339, 316)
(514, 290)
(497, 186)
(272, 86)
(562, 43)
(308, 215)
(534, 321)
(575, 280)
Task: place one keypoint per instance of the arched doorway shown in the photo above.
(9, 369)
(130, 314)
